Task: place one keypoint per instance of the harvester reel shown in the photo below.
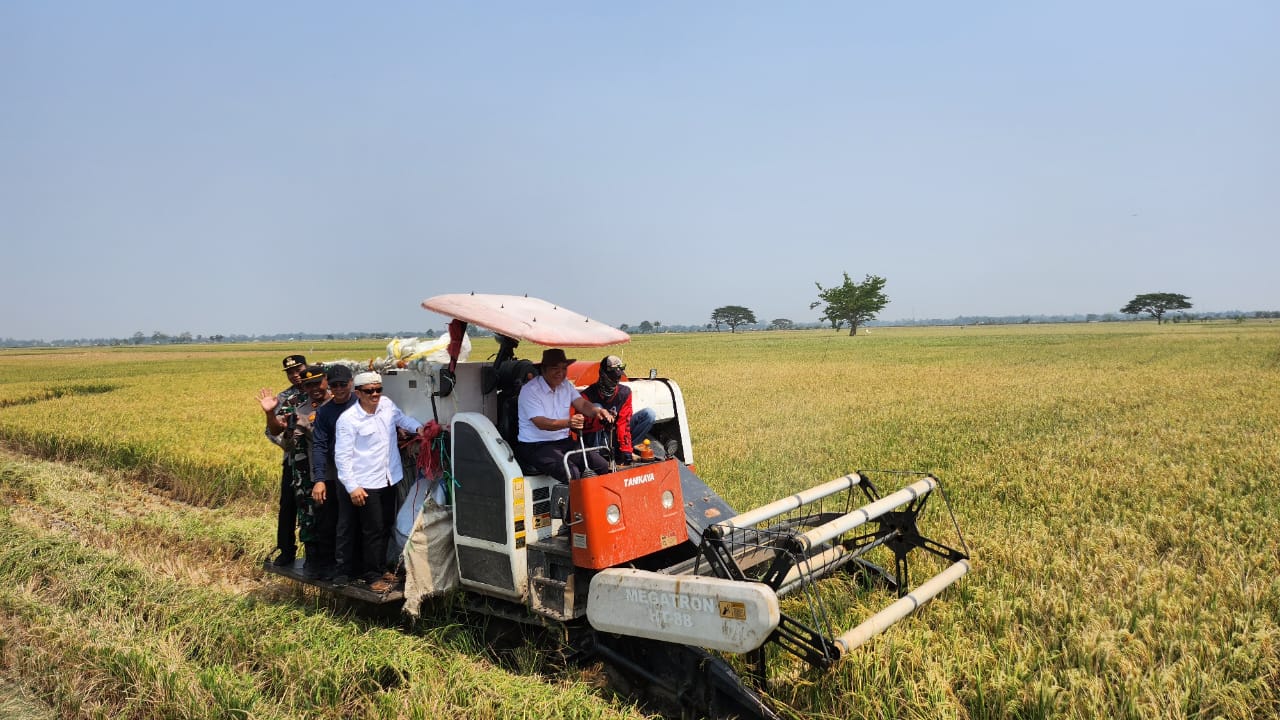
(791, 554)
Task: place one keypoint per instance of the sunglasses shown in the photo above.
(338, 383)
(370, 391)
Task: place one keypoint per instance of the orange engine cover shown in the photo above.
(645, 523)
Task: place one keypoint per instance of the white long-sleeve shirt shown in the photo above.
(365, 445)
(538, 399)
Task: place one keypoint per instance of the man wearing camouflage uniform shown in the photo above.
(299, 442)
(279, 408)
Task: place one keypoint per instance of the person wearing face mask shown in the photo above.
(609, 393)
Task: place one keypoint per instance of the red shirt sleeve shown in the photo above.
(624, 425)
(589, 424)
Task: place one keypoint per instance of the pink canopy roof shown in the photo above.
(526, 318)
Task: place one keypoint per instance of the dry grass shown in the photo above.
(1115, 483)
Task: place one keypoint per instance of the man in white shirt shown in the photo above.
(368, 461)
(545, 419)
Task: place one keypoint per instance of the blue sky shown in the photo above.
(280, 167)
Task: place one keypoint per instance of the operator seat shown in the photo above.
(511, 375)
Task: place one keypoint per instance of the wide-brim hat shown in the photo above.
(555, 356)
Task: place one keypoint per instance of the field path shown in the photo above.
(117, 600)
(112, 512)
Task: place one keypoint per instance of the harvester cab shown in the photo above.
(644, 567)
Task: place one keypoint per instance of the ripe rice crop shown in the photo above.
(1115, 483)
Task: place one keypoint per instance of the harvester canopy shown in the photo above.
(526, 318)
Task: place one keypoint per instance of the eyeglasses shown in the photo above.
(338, 383)
(370, 391)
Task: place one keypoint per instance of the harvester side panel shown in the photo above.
(483, 493)
(491, 510)
(703, 506)
(621, 516)
(687, 609)
(411, 390)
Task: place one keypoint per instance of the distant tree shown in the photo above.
(624, 327)
(159, 337)
(185, 337)
(138, 337)
(781, 324)
(733, 316)
(216, 338)
(645, 326)
(851, 302)
(1156, 304)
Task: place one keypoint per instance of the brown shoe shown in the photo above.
(390, 577)
(380, 586)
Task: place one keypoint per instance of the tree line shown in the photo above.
(858, 303)
(849, 303)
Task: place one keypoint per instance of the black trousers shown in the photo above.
(548, 458)
(377, 517)
(368, 528)
(347, 536)
(287, 519)
(323, 548)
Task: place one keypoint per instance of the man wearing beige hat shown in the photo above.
(545, 419)
(369, 467)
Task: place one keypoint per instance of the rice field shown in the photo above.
(1115, 483)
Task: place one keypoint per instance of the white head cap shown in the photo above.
(366, 378)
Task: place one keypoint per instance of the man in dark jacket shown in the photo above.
(327, 492)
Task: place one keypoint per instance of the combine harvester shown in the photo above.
(656, 576)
